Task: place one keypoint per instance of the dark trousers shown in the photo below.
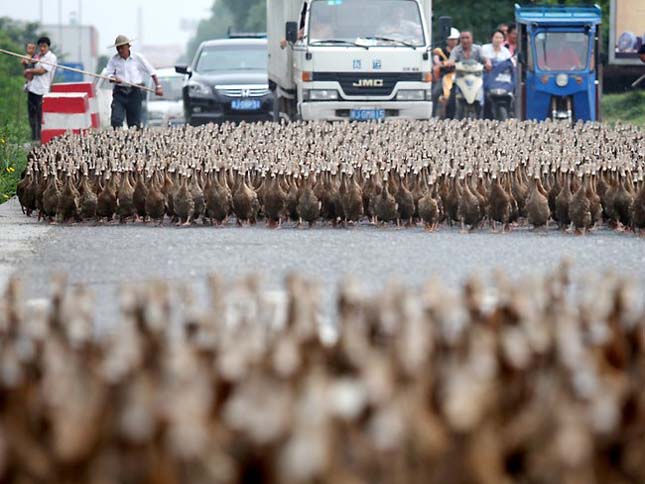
(35, 111)
(126, 105)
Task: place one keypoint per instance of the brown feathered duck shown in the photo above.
(562, 202)
(580, 208)
(275, 202)
(155, 201)
(386, 209)
(245, 203)
(499, 207)
(537, 204)
(184, 203)
(308, 204)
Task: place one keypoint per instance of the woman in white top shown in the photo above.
(495, 51)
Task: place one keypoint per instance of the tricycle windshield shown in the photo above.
(561, 51)
(385, 22)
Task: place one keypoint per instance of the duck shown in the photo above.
(125, 199)
(580, 208)
(292, 199)
(468, 208)
(275, 203)
(26, 192)
(184, 203)
(428, 209)
(106, 205)
(637, 210)
(622, 201)
(537, 205)
(405, 202)
(245, 203)
(386, 209)
(139, 196)
(51, 196)
(155, 200)
(499, 204)
(218, 200)
(562, 202)
(68, 201)
(351, 199)
(89, 199)
(197, 193)
(309, 205)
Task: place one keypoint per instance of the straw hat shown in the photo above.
(120, 40)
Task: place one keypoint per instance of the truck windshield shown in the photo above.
(386, 22)
(561, 51)
(233, 58)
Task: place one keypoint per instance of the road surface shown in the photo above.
(106, 257)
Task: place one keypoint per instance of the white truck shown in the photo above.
(350, 59)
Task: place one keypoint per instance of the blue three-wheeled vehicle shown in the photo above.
(558, 62)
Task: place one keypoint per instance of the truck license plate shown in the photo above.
(246, 104)
(367, 114)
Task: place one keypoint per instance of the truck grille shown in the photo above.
(236, 91)
(349, 81)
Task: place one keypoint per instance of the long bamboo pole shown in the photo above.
(79, 71)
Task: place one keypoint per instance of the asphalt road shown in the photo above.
(106, 257)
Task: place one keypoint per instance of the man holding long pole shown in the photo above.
(123, 68)
(39, 81)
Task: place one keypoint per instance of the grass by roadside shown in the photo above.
(626, 107)
(13, 158)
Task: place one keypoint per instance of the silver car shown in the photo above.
(166, 110)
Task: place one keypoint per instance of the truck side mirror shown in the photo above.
(291, 32)
(182, 69)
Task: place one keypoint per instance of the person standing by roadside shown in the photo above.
(511, 39)
(29, 61)
(39, 81)
(443, 76)
(130, 67)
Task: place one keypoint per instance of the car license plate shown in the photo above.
(246, 104)
(367, 114)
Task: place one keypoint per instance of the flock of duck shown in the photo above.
(542, 383)
(402, 172)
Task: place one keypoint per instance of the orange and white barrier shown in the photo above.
(64, 112)
(86, 87)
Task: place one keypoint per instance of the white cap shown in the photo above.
(454, 34)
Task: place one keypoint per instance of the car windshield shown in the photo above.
(171, 88)
(233, 58)
(561, 51)
(386, 22)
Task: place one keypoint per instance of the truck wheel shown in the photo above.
(276, 110)
(502, 113)
(459, 109)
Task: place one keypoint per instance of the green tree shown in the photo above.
(236, 15)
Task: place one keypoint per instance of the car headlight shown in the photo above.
(321, 94)
(411, 95)
(561, 80)
(198, 89)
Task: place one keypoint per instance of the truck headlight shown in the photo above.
(198, 89)
(561, 80)
(411, 95)
(321, 94)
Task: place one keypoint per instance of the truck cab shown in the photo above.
(350, 59)
(558, 54)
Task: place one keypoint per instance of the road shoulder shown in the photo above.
(18, 235)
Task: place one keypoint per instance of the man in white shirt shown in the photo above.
(132, 68)
(39, 81)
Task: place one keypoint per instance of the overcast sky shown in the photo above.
(161, 18)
